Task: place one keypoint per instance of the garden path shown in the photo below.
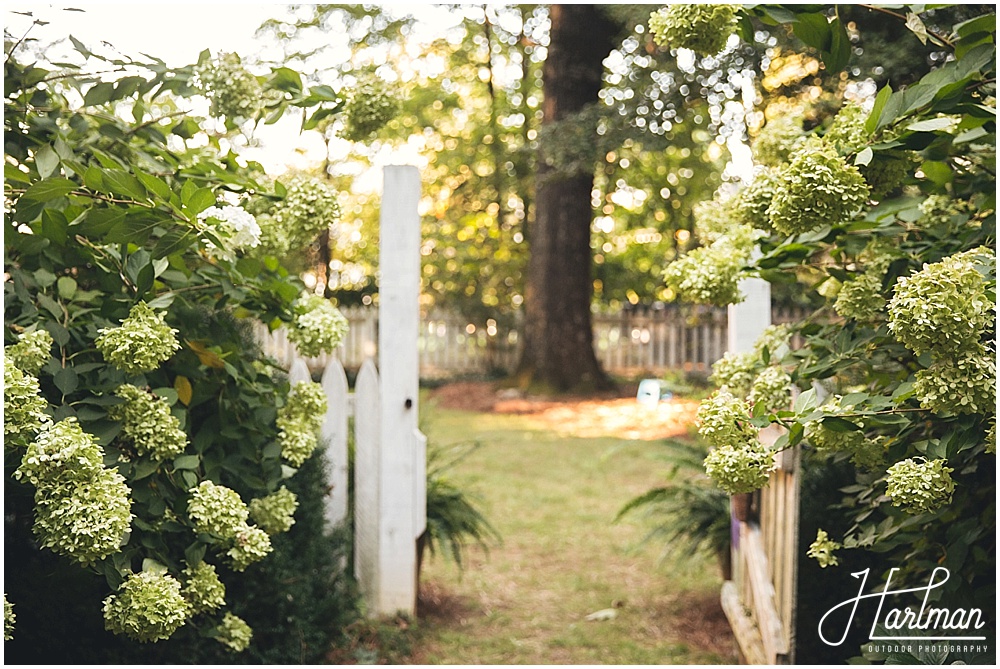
(551, 476)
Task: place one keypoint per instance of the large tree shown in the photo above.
(558, 352)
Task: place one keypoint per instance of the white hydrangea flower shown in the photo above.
(217, 510)
(772, 387)
(84, 520)
(299, 420)
(148, 423)
(8, 619)
(274, 513)
(317, 326)
(23, 405)
(919, 485)
(943, 308)
(723, 420)
(32, 350)
(703, 28)
(202, 589)
(147, 607)
(238, 225)
(61, 453)
(250, 545)
(822, 550)
(141, 344)
(740, 469)
(234, 633)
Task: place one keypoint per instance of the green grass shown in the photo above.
(554, 499)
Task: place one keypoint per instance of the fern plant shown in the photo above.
(454, 521)
(691, 515)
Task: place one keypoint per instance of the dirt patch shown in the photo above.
(620, 415)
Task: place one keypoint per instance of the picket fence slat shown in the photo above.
(634, 342)
(367, 430)
(334, 382)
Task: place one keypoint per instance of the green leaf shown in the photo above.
(938, 172)
(98, 222)
(98, 94)
(285, 79)
(187, 462)
(54, 226)
(874, 121)
(865, 156)
(66, 285)
(198, 201)
(839, 54)
(46, 161)
(66, 380)
(931, 124)
(120, 182)
(195, 553)
(155, 185)
(49, 189)
(838, 424)
(805, 401)
(813, 30)
(51, 306)
(917, 27)
(175, 240)
(136, 263)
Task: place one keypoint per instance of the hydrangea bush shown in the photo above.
(139, 413)
(886, 211)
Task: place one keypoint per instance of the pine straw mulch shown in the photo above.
(616, 414)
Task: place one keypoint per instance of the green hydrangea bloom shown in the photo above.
(740, 469)
(233, 92)
(943, 308)
(723, 420)
(216, 510)
(250, 545)
(816, 188)
(847, 133)
(202, 588)
(148, 423)
(735, 371)
(84, 520)
(299, 420)
(887, 171)
(754, 200)
(141, 344)
(920, 486)
(317, 326)
(310, 207)
(711, 274)
(31, 352)
(714, 218)
(23, 405)
(943, 210)
(147, 607)
(274, 513)
(61, 453)
(776, 339)
(234, 633)
(822, 550)
(779, 137)
(371, 103)
(704, 29)
(959, 385)
(861, 298)
(773, 388)
(991, 437)
(9, 618)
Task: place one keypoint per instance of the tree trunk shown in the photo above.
(558, 351)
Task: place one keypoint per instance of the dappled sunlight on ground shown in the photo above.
(618, 416)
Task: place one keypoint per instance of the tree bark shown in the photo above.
(558, 351)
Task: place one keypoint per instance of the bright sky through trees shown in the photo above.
(183, 30)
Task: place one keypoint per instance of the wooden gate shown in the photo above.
(760, 600)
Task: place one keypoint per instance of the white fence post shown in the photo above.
(334, 433)
(749, 318)
(367, 420)
(399, 325)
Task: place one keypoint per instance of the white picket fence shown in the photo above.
(630, 342)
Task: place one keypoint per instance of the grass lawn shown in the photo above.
(553, 499)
